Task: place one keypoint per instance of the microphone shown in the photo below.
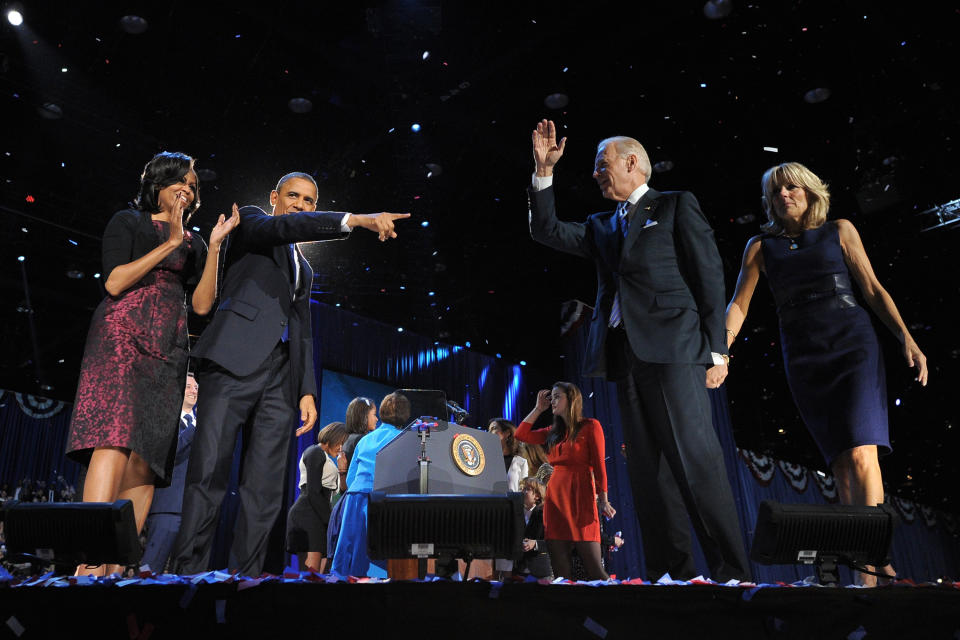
(459, 414)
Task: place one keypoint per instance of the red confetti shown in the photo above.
(30, 199)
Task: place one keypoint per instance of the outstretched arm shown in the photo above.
(750, 269)
(877, 297)
(380, 223)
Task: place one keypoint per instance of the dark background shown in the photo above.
(704, 95)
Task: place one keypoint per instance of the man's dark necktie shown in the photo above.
(623, 223)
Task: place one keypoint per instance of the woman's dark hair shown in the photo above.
(503, 425)
(395, 410)
(333, 434)
(164, 169)
(357, 412)
(565, 427)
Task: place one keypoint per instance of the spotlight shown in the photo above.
(415, 127)
(556, 101)
(426, 54)
(300, 105)
(716, 9)
(50, 111)
(425, 223)
(814, 96)
(15, 18)
(134, 25)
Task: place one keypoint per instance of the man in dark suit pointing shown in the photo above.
(657, 330)
(256, 367)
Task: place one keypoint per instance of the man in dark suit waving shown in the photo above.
(256, 366)
(657, 330)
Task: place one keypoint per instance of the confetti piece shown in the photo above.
(595, 628)
(188, 596)
(247, 584)
(14, 625)
(749, 593)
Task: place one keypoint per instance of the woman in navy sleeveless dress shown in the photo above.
(830, 351)
(127, 410)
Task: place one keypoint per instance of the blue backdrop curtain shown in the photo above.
(33, 436)
(926, 546)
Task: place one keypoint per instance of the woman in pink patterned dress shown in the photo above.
(127, 409)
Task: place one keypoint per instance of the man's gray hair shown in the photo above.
(629, 146)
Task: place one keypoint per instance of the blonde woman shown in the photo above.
(830, 351)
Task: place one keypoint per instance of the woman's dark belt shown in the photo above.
(829, 292)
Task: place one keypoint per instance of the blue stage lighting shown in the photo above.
(415, 127)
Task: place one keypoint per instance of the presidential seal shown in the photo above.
(467, 454)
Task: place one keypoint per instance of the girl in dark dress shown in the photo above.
(127, 409)
(309, 516)
(830, 351)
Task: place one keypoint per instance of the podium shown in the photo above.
(440, 489)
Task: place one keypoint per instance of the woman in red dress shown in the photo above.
(575, 447)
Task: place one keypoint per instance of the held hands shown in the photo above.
(716, 375)
(308, 414)
(546, 151)
(529, 545)
(380, 223)
(223, 227)
(915, 358)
